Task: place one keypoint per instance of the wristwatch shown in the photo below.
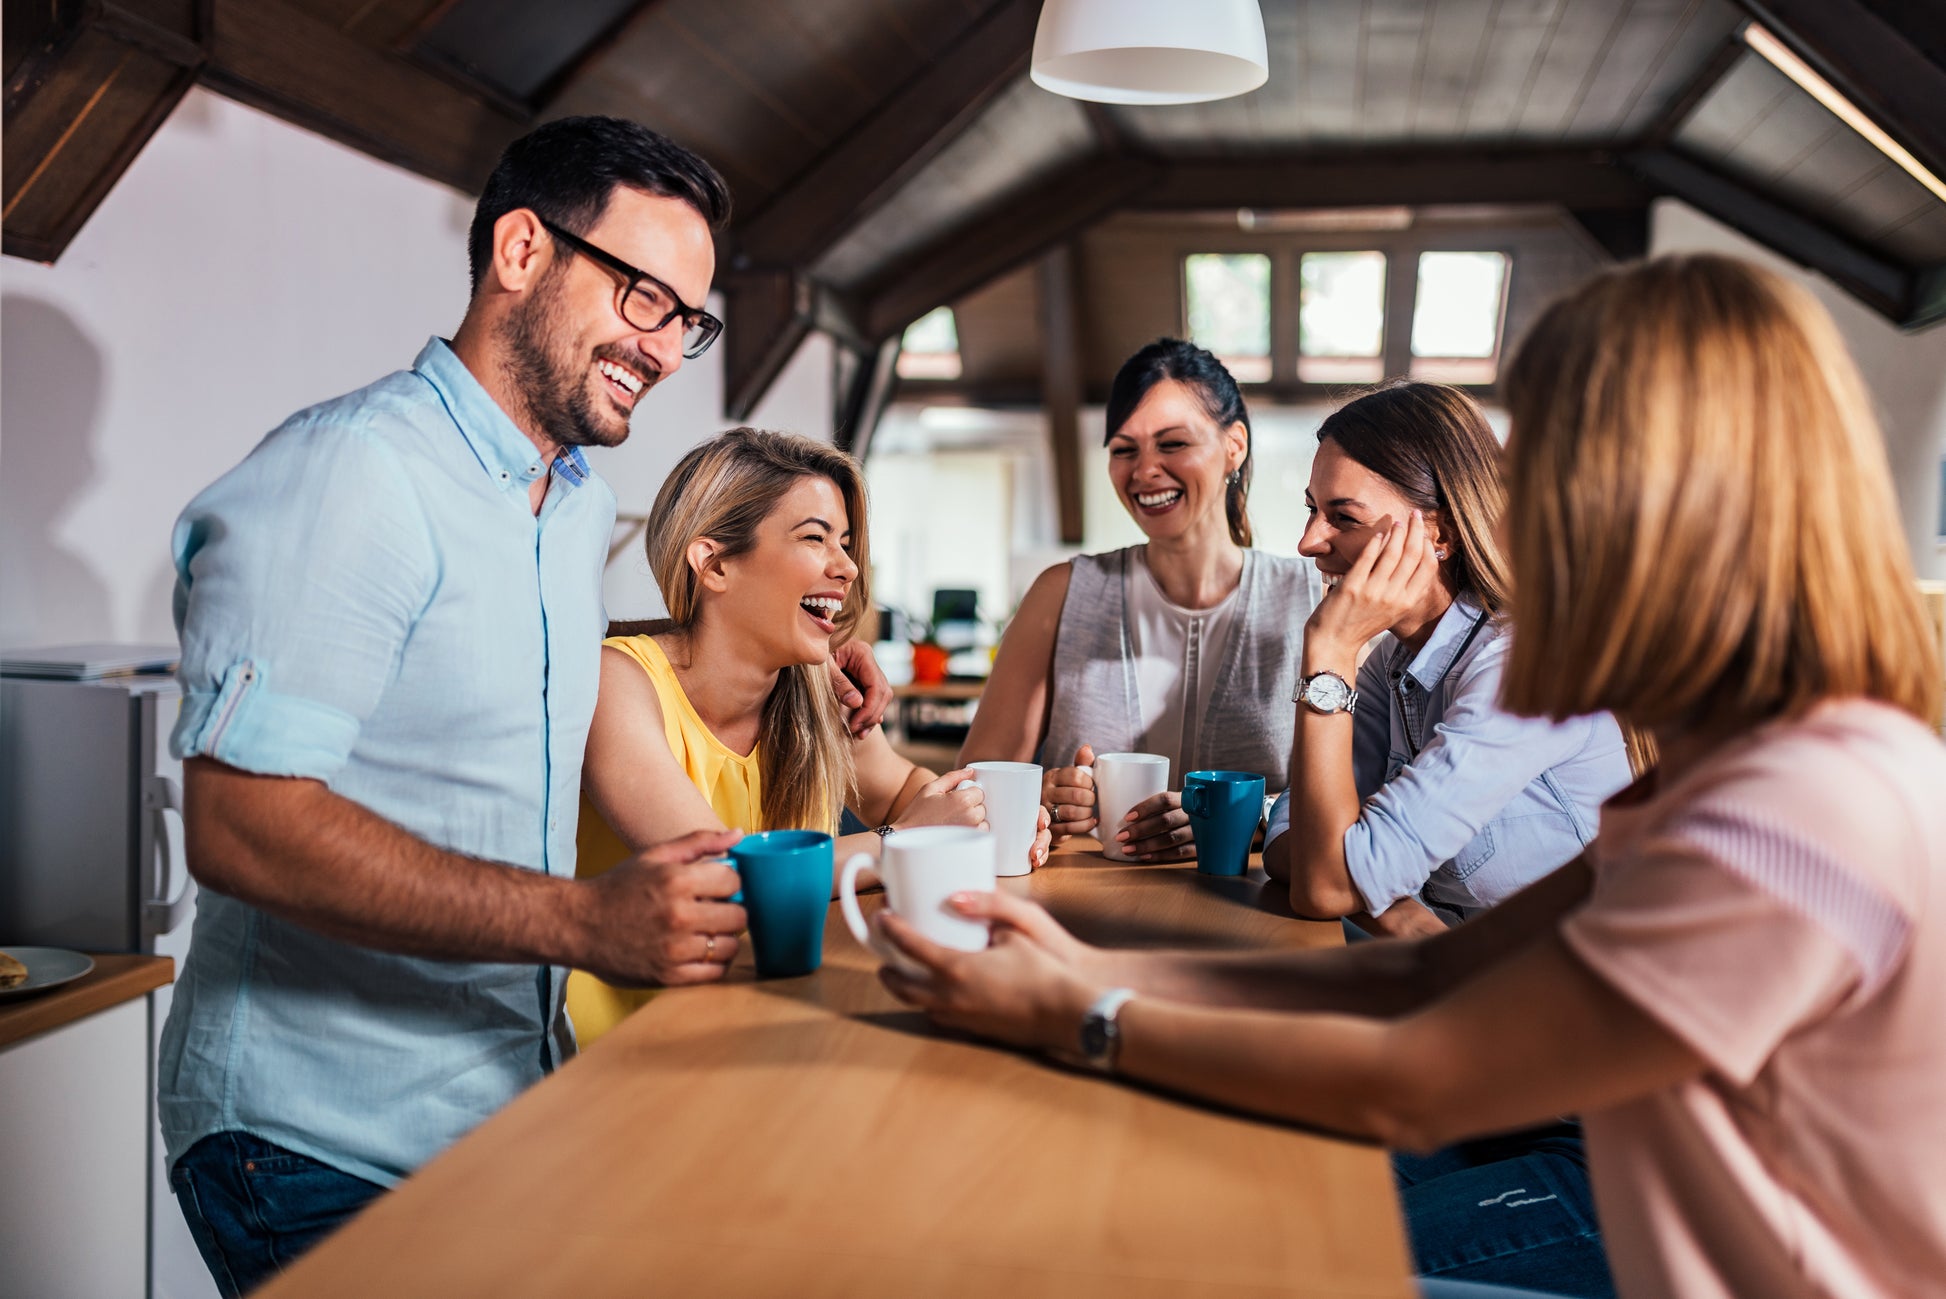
(882, 830)
(1101, 1038)
(1326, 692)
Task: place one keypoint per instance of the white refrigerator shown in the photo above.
(91, 858)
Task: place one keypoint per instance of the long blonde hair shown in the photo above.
(1701, 517)
(724, 489)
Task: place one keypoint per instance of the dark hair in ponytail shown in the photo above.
(1190, 365)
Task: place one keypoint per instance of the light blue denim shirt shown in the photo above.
(368, 600)
(1464, 804)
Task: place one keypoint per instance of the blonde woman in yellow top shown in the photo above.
(723, 716)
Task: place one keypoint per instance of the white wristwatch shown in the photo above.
(1101, 1037)
(1326, 692)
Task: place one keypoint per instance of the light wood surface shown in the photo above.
(813, 1137)
(116, 978)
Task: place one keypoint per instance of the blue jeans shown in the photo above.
(1510, 1210)
(253, 1207)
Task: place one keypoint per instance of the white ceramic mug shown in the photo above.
(1121, 781)
(921, 868)
(1013, 805)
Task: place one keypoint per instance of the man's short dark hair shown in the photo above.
(566, 169)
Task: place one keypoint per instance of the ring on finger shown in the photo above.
(709, 947)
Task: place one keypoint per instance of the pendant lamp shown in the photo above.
(1150, 51)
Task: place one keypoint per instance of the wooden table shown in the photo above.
(813, 1137)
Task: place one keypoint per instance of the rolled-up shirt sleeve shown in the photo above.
(1477, 759)
(299, 576)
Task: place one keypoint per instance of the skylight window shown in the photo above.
(930, 348)
(1227, 300)
(1341, 317)
(1457, 315)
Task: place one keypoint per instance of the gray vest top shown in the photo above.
(1248, 725)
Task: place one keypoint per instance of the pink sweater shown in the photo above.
(1782, 910)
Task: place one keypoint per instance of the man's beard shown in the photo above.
(552, 385)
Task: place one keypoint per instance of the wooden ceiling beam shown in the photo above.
(1061, 383)
(766, 314)
(1009, 236)
(1621, 233)
(1872, 63)
(1874, 280)
(867, 380)
(90, 85)
(1583, 178)
(273, 55)
(866, 167)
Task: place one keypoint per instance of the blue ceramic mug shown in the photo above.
(1224, 808)
(786, 890)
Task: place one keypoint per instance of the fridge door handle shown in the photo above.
(173, 895)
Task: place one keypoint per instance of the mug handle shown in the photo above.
(848, 903)
(1195, 800)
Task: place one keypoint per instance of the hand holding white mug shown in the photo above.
(951, 799)
(1069, 793)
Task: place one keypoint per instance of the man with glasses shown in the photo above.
(391, 619)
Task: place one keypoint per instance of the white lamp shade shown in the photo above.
(1150, 51)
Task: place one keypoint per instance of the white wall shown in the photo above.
(1906, 374)
(241, 270)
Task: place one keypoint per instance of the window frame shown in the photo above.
(1270, 255)
(1401, 249)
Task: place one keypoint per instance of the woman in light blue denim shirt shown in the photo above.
(1418, 801)
(1428, 802)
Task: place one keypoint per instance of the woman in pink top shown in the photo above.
(1738, 986)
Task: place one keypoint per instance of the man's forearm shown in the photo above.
(312, 857)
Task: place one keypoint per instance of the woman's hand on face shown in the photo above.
(1069, 794)
(1390, 577)
(1157, 829)
(1030, 988)
(942, 801)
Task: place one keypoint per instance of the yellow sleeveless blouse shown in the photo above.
(731, 783)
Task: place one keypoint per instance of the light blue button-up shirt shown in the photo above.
(369, 600)
(1464, 804)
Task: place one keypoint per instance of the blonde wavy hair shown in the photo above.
(1701, 520)
(723, 490)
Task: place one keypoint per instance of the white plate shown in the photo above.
(47, 967)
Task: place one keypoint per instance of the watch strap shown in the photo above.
(1101, 1038)
(1301, 694)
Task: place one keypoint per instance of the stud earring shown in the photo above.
(1439, 554)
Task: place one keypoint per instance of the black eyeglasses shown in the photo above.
(646, 302)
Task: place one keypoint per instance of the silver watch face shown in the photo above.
(1326, 693)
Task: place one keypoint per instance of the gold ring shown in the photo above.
(709, 947)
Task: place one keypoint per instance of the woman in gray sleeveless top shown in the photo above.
(1180, 646)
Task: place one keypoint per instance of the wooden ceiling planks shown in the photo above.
(516, 48)
(1571, 65)
(1391, 53)
(936, 102)
(1025, 138)
(1457, 35)
(1759, 128)
(1699, 38)
(1520, 35)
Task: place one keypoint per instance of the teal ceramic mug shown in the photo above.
(1224, 808)
(786, 878)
